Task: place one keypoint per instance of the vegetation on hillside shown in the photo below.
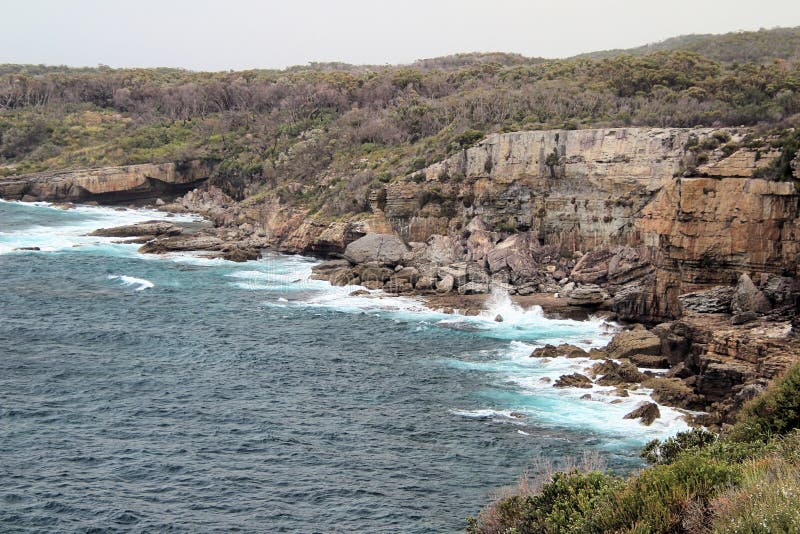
(746, 480)
(763, 46)
(323, 134)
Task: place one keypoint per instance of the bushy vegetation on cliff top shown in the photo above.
(322, 135)
(746, 480)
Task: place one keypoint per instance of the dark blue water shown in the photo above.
(224, 397)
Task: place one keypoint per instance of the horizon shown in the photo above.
(277, 37)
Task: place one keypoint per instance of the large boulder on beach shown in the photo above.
(646, 413)
(383, 249)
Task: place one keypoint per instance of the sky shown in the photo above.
(243, 34)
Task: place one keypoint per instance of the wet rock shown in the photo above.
(359, 293)
(372, 272)
(383, 249)
(181, 243)
(28, 248)
(324, 270)
(646, 413)
(587, 396)
(631, 342)
(574, 380)
(147, 228)
(344, 277)
(614, 374)
(552, 351)
(498, 318)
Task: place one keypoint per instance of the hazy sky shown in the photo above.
(237, 34)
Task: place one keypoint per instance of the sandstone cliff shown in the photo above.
(107, 184)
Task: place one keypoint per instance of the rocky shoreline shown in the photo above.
(729, 342)
(673, 229)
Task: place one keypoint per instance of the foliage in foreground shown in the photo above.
(747, 480)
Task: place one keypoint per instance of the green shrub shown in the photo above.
(563, 505)
(775, 412)
(666, 452)
(655, 500)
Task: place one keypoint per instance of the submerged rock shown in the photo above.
(646, 413)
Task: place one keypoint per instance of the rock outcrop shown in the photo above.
(108, 184)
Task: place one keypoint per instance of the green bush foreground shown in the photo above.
(745, 480)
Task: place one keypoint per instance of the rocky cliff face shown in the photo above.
(107, 184)
(574, 189)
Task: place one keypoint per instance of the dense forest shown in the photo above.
(322, 133)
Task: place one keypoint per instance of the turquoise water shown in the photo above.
(182, 393)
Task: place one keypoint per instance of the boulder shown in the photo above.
(552, 351)
(445, 285)
(748, 299)
(425, 283)
(443, 250)
(630, 342)
(646, 413)
(323, 271)
(575, 380)
(458, 272)
(383, 249)
(344, 277)
(614, 374)
(407, 274)
(592, 268)
(588, 295)
(396, 285)
(373, 273)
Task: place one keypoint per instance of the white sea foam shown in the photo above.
(67, 229)
(140, 283)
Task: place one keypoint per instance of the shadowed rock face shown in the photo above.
(108, 184)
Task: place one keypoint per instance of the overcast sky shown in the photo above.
(239, 34)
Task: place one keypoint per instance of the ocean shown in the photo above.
(181, 393)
